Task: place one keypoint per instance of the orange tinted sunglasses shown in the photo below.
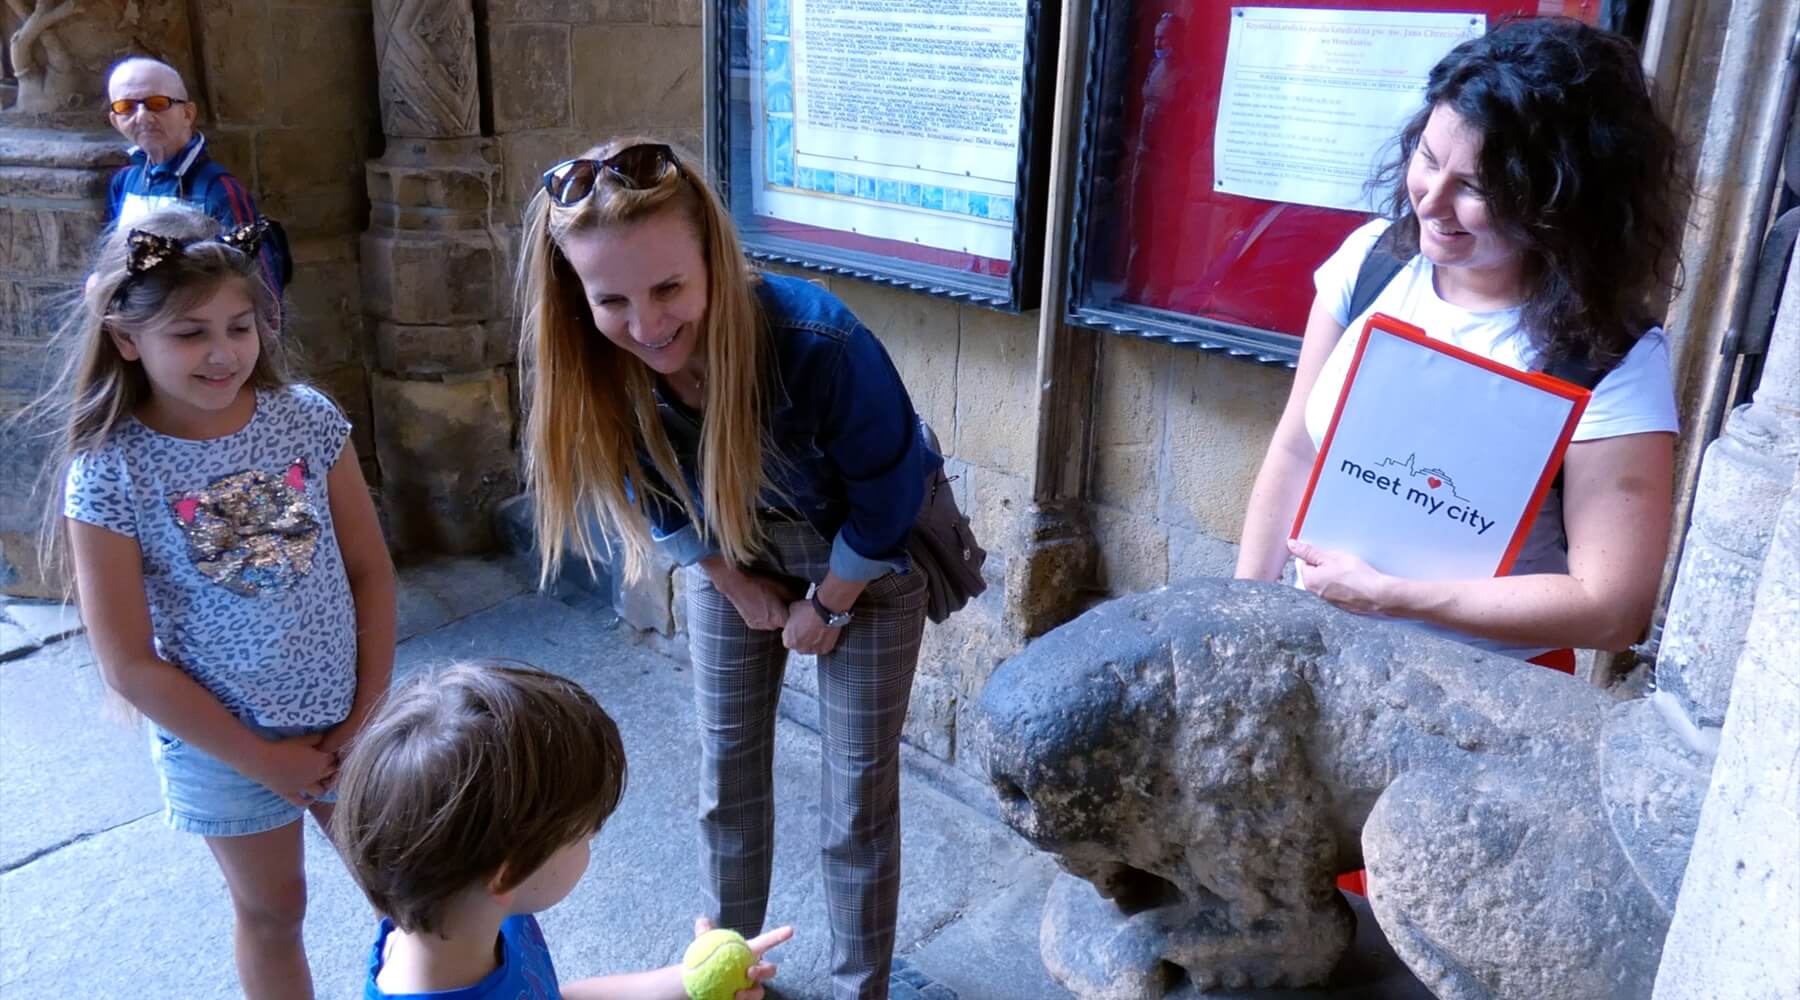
(157, 103)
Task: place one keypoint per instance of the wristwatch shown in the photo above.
(832, 619)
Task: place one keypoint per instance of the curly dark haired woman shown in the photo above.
(1533, 214)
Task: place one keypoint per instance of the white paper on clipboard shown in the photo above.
(1436, 460)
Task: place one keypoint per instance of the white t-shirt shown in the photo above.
(1636, 397)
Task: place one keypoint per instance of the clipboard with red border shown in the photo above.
(1381, 325)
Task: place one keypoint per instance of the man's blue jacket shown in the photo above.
(197, 179)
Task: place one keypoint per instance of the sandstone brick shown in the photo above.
(24, 233)
(81, 184)
(446, 459)
(996, 503)
(524, 156)
(636, 76)
(235, 38)
(1196, 553)
(93, 147)
(921, 334)
(569, 11)
(325, 69)
(1128, 423)
(1134, 550)
(324, 213)
(324, 308)
(434, 184)
(436, 278)
(676, 12)
(292, 161)
(530, 76)
(47, 241)
(1221, 414)
(21, 575)
(30, 311)
(349, 387)
(235, 150)
(419, 351)
(996, 404)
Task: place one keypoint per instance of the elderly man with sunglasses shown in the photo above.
(148, 104)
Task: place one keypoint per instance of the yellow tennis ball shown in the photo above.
(717, 965)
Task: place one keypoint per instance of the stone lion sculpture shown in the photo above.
(1204, 759)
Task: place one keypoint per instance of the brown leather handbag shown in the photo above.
(943, 546)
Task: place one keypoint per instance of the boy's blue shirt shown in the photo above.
(194, 177)
(525, 971)
(850, 455)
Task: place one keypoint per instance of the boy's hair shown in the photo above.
(92, 387)
(477, 772)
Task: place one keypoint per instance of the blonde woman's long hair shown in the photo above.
(590, 404)
(94, 388)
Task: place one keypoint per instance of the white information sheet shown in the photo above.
(896, 119)
(1311, 97)
(1435, 462)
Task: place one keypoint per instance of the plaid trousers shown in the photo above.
(864, 686)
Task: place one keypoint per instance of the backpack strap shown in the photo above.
(1377, 272)
(1581, 372)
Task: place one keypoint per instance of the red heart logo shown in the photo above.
(1434, 481)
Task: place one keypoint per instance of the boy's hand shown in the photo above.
(294, 768)
(762, 971)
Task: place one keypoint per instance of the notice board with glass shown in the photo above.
(1226, 149)
(900, 141)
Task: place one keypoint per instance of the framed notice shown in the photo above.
(898, 141)
(1436, 460)
(1226, 150)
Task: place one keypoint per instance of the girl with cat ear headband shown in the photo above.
(231, 573)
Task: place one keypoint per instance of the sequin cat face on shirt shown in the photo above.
(250, 531)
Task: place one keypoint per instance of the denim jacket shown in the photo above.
(850, 454)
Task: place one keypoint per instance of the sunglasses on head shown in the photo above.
(155, 102)
(634, 167)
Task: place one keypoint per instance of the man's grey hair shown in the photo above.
(130, 61)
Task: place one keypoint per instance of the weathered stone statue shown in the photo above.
(1205, 758)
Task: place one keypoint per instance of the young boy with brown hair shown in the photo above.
(465, 807)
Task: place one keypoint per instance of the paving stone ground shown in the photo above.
(99, 899)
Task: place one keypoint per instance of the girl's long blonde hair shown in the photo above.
(94, 387)
(590, 404)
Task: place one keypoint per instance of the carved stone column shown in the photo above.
(434, 286)
(57, 153)
(1052, 570)
(1747, 472)
(1736, 931)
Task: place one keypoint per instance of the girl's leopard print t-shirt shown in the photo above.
(242, 572)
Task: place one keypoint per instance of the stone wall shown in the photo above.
(288, 106)
(566, 74)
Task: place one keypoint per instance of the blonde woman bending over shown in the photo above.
(750, 428)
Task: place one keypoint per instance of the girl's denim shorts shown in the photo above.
(202, 794)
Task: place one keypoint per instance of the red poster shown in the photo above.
(1184, 247)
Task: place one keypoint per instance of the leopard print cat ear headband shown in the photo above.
(147, 251)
